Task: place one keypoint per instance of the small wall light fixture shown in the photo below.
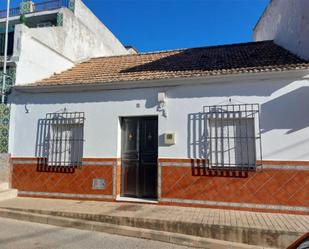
(162, 103)
(26, 109)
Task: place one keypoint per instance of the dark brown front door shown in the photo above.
(139, 157)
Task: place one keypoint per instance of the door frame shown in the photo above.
(140, 117)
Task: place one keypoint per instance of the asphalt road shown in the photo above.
(25, 235)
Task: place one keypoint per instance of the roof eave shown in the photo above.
(168, 82)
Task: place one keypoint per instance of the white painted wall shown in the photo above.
(286, 22)
(86, 16)
(77, 41)
(36, 61)
(284, 116)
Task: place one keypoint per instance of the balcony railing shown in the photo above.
(38, 7)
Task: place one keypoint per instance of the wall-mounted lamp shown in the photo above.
(162, 103)
(26, 109)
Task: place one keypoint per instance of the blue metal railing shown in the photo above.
(38, 7)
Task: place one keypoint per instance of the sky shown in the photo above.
(153, 25)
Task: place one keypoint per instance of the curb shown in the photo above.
(174, 238)
(242, 235)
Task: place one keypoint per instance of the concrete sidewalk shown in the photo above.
(254, 228)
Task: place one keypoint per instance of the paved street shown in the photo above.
(24, 235)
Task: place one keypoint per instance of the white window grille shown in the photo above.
(60, 139)
(233, 136)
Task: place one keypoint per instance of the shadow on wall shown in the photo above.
(197, 136)
(200, 168)
(58, 146)
(289, 112)
(198, 145)
(41, 147)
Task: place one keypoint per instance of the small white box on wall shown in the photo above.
(169, 138)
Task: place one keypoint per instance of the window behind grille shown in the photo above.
(60, 139)
(233, 142)
(233, 136)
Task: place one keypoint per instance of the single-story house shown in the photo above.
(223, 126)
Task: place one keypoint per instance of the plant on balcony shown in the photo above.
(23, 19)
(26, 6)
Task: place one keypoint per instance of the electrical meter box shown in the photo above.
(169, 138)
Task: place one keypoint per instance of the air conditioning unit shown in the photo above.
(27, 7)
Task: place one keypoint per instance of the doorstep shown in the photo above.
(136, 200)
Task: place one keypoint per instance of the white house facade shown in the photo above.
(223, 126)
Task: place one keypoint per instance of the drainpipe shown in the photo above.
(5, 49)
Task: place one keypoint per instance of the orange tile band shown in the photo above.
(265, 187)
(269, 186)
(30, 177)
(284, 163)
(264, 162)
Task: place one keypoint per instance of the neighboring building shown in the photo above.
(49, 37)
(55, 36)
(131, 50)
(287, 23)
(223, 126)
